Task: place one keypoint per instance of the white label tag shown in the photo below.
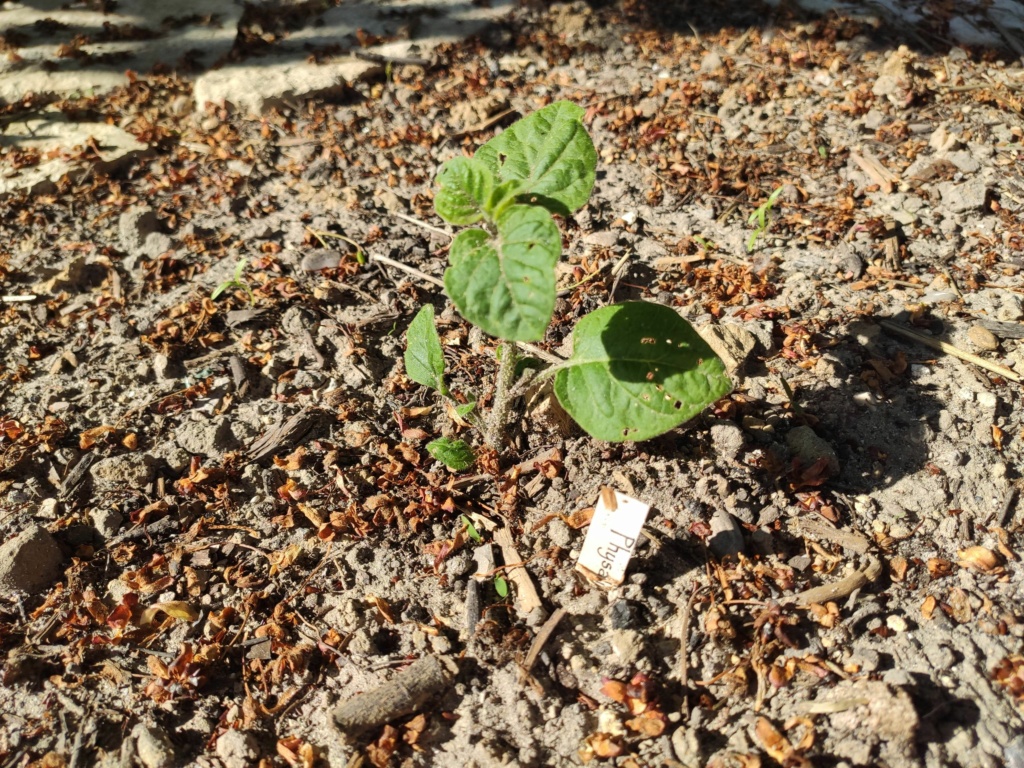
(612, 537)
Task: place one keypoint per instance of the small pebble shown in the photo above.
(896, 623)
(982, 338)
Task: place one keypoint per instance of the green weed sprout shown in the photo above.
(235, 282)
(761, 219)
(637, 369)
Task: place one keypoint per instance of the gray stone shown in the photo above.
(53, 135)
(209, 437)
(607, 238)
(237, 749)
(107, 521)
(726, 536)
(962, 198)
(153, 748)
(276, 80)
(314, 261)
(805, 444)
(624, 614)
(627, 644)
(203, 30)
(47, 509)
(30, 562)
(727, 440)
(130, 471)
(982, 338)
(733, 343)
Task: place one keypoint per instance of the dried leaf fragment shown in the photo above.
(979, 559)
(177, 609)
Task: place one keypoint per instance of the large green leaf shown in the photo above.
(424, 357)
(638, 370)
(465, 188)
(506, 284)
(551, 152)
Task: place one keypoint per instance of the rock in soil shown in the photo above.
(30, 562)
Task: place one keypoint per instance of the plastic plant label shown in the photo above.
(612, 537)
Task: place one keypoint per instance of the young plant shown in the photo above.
(761, 219)
(637, 369)
(236, 282)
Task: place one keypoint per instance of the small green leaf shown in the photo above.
(506, 285)
(424, 358)
(471, 530)
(638, 370)
(501, 586)
(465, 190)
(502, 196)
(551, 152)
(454, 454)
(465, 409)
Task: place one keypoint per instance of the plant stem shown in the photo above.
(498, 421)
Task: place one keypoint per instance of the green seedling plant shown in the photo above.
(637, 369)
(761, 219)
(235, 282)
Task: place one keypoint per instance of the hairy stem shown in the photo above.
(502, 405)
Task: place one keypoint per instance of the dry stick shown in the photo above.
(404, 694)
(529, 600)
(838, 589)
(684, 640)
(949, 349)
(410, 270)
(418, 223)
(540, 640)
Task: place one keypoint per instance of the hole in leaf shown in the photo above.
(678, 404)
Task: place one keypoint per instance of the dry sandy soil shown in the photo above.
(218, 519)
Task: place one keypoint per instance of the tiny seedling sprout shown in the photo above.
(761, 219)
(235, 282)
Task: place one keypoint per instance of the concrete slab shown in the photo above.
(65, 147)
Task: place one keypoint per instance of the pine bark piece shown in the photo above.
(282, 436)
(404, 694)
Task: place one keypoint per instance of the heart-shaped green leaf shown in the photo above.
(551, 152)
(637, 370)
(465, 188)
(506, 284)
(424, 357)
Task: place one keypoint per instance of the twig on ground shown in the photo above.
(684, 648)
(540, 640)
(838, 589)
(949, 349)
(420, 223)
(529, 599)
(409, 270)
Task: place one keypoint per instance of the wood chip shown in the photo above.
(526, 593)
